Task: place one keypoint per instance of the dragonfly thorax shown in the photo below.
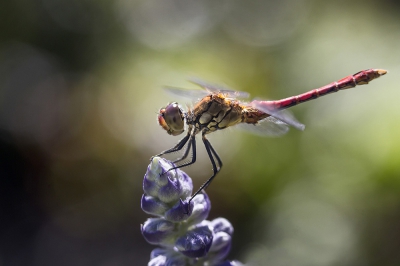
(171, 118)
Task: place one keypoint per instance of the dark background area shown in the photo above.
(81, 83)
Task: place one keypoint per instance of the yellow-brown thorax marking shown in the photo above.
(215, 112)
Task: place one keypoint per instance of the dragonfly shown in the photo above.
(218, 108)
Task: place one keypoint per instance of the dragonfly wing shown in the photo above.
(219, 89)
(269, 126)
(191, 94)
(282, 115)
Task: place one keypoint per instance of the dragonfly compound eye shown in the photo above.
(170, 118)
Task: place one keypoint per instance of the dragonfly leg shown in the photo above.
(177, 147)
(211, 154)
(192, 142)
(185, 154)
(214, 153)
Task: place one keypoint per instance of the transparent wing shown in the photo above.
(269, 126)
(191, 94)
(219, 89)
(282, 115)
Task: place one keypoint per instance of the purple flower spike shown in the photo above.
(196, 242)
(179, 212)
(182, 230)
(158, 231)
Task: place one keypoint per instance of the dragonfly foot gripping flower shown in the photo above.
(180, 228)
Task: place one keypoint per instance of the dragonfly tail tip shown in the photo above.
(381, 72)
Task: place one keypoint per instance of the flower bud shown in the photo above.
(222, 225)
(158, 231)
(195, 243)
(152, 205)
(220, 247)
(179, 212)
(230, 263)
(168, 186)
(201, 209)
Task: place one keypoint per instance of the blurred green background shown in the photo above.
(81, 83)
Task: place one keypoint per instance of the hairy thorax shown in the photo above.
(215, 112)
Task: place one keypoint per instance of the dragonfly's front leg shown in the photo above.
(185, 154)
(192, 142)
(211, 154)
(177, 147)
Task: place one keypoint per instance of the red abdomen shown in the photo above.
(360, 78)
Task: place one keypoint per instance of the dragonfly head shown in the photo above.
(171, 119)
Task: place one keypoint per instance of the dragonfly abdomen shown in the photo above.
(252, 115)
(360, 78)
